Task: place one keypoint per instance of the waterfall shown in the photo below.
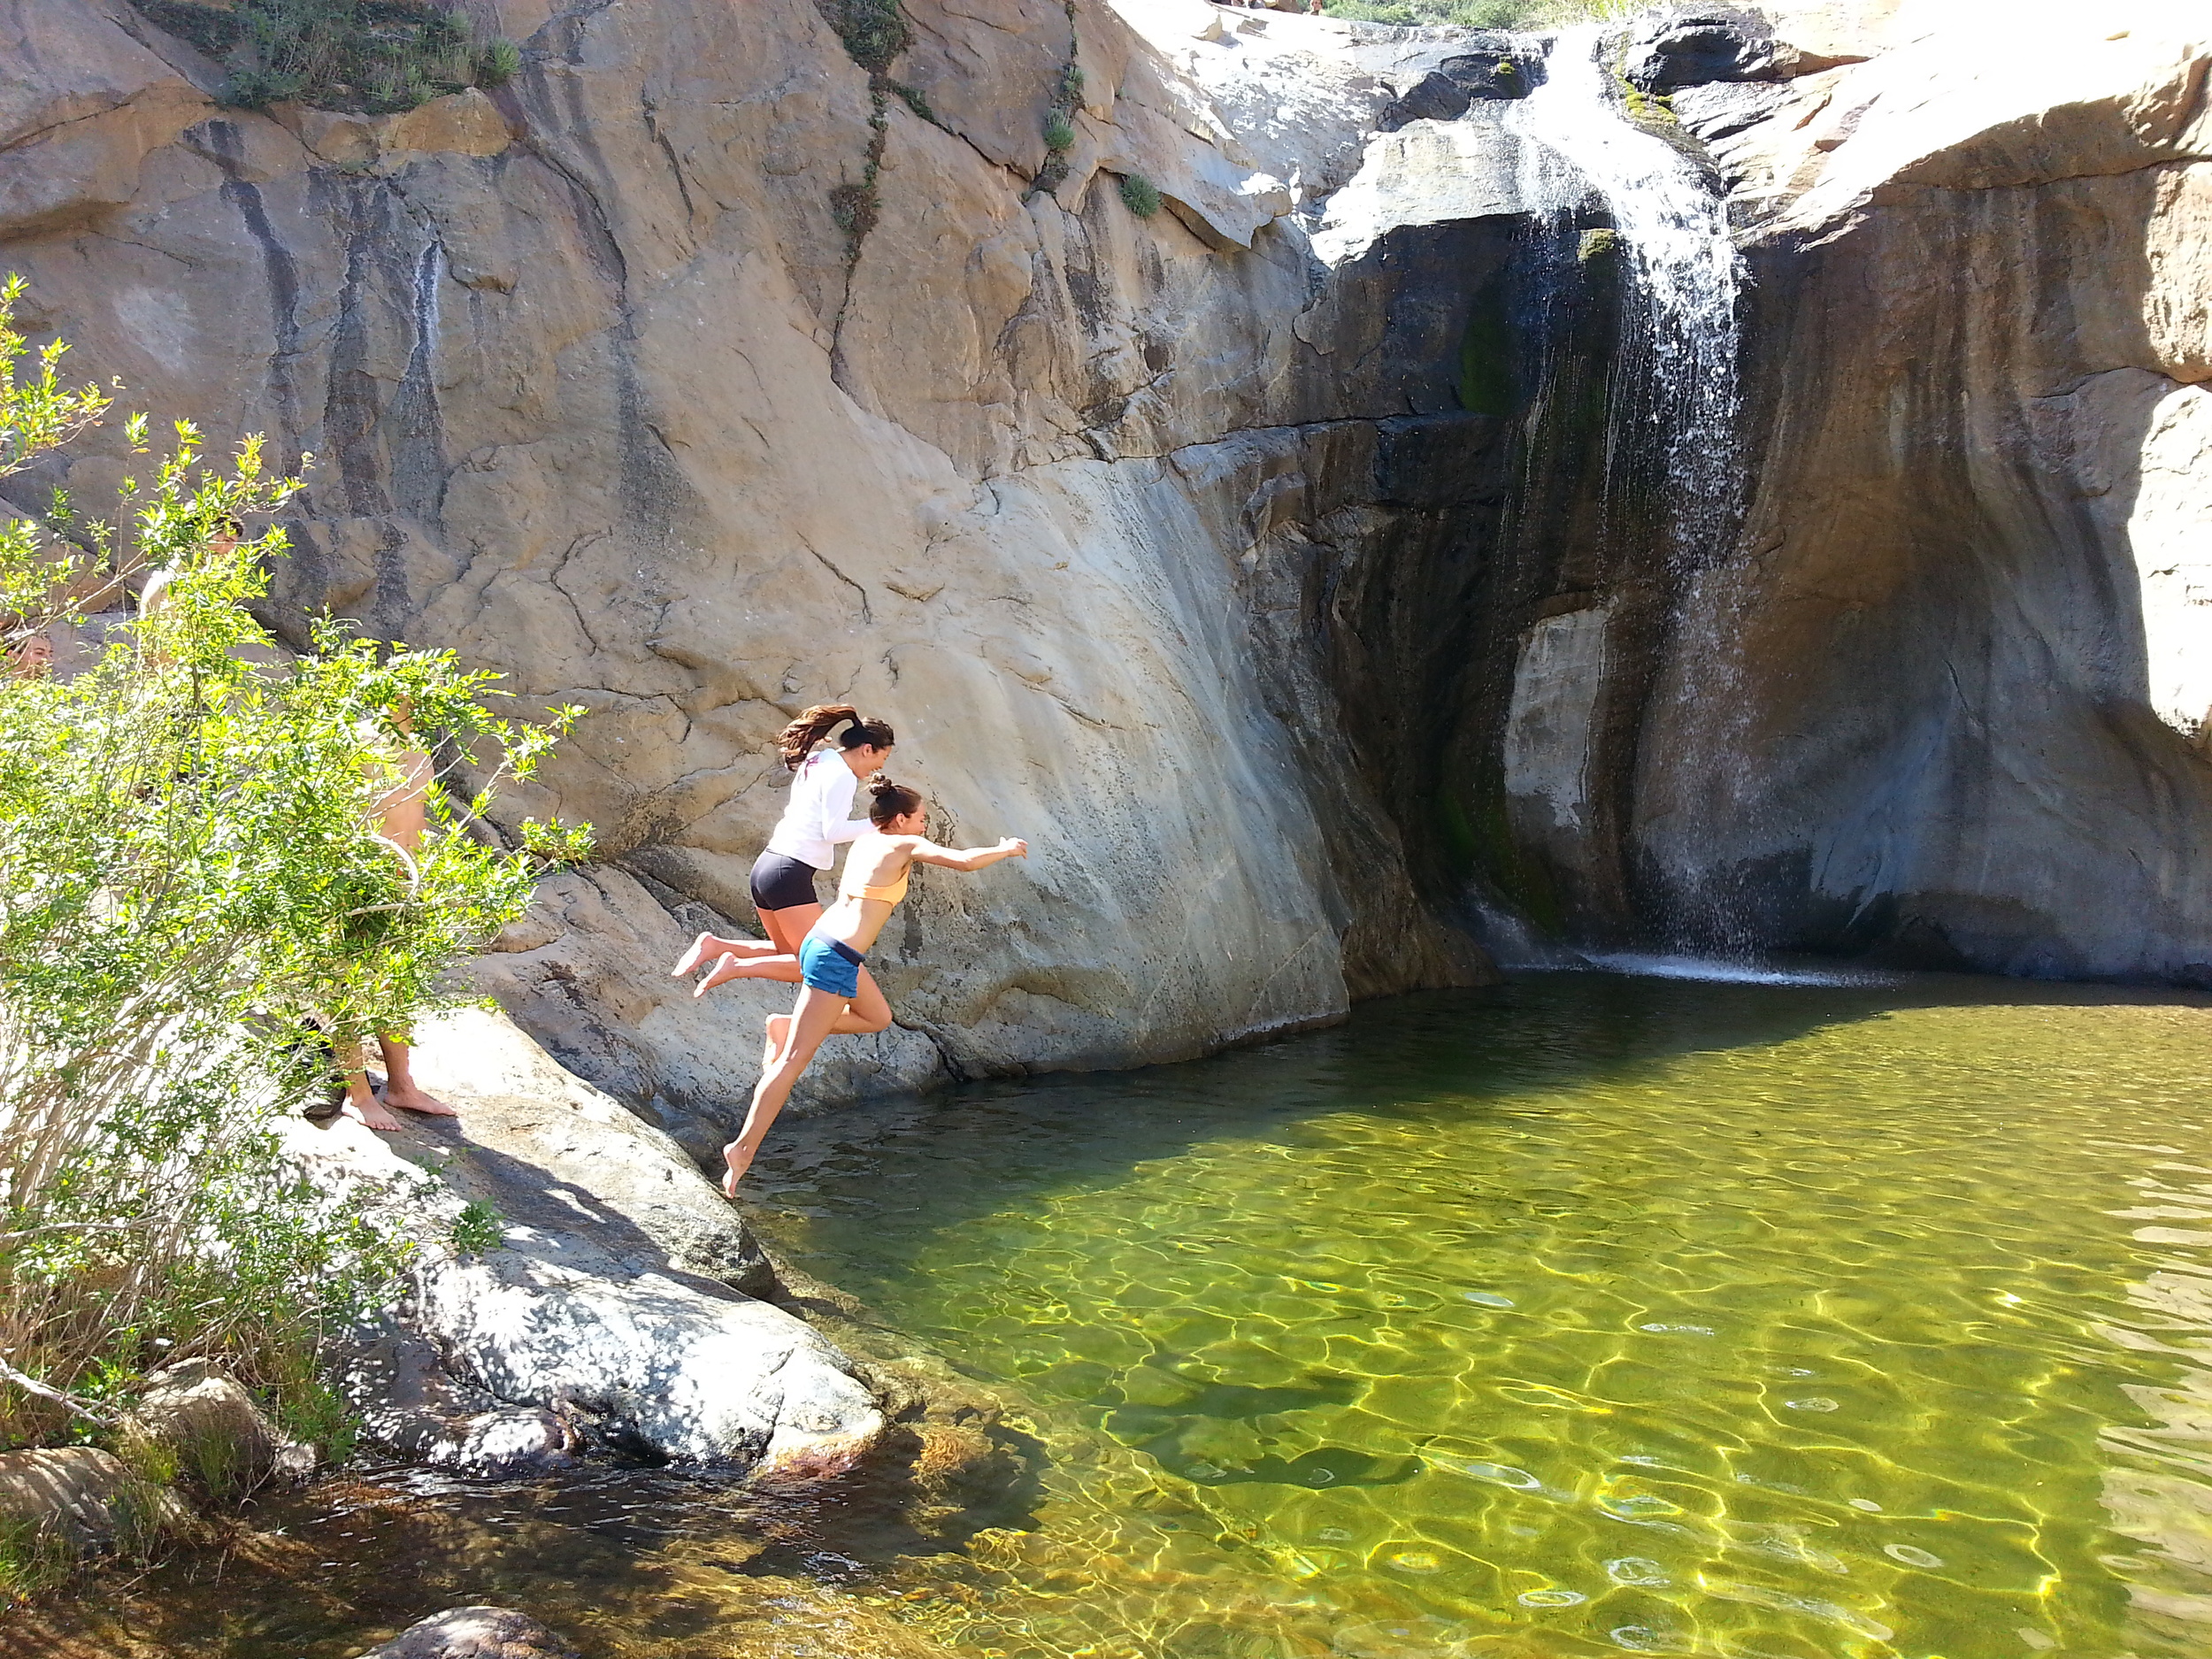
(1681, 264)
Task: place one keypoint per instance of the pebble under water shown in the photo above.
(1595, 1314)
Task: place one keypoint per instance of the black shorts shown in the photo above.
(783, 884)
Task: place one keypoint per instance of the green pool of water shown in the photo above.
(1600, 1315)
(1593, 1316)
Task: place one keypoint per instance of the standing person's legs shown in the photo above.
(400, 1087)
(361, 1101)
(812, 1018)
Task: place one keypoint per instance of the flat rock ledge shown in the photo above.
(474, 1632)
(613, 1310)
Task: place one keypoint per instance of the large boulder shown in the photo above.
(83, 1501)
(1689, 45)
(577, 1280)
(200, 1416)
(679, 380)
(1497, 68)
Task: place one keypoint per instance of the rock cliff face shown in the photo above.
(1947, 697)
(689, 377)
(1283, 565)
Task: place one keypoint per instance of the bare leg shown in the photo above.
(400, 1088)
(787, 927)
(785, 969)
(811, 1019)
(362, 1104)
(707, 947)
(868, 1012)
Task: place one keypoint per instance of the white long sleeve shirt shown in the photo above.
(814, 819)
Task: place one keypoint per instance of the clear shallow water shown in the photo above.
(1601, 1315)
(1608, 1314)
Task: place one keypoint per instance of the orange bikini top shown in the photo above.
(889, 894)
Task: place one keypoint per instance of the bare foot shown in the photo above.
(371, 1112)
(739, 1160)
(702, 948)
(708, 946)
(411, 1098)
(730, 968)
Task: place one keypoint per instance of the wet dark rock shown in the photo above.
(1721, 108)
(1492, 73)
(475, 1632)
(409, 1402)
(200, 1416)
(1687, 46)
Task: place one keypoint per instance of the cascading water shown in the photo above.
(1681, 264)
(1669, 487)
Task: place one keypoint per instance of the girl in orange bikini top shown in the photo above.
(834, 996)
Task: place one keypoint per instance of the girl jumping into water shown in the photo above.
(817, 817)
(835, 993)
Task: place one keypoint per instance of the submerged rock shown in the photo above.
(474, 1632)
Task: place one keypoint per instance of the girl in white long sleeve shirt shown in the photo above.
(818, 816)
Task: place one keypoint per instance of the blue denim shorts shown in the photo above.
(830, 964)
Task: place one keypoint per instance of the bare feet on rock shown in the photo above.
(408, 1098)
(371, 1111)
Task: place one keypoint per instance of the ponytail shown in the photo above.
(798, 739)
(888, 800)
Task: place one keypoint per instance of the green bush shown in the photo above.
(498, 64)
(1139, 196)
(1059, 132)
(195, 898)
(478, 1228)
(373, 55)
(875, 32)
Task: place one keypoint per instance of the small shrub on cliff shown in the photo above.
(875, 32)
(195, 897)
(1139, 196)
(1059, 132)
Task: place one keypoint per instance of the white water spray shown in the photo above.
(1682, 264)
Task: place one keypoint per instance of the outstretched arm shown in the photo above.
(967, 857)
